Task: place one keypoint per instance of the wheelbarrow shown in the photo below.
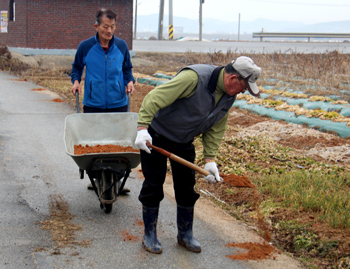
(107, 171)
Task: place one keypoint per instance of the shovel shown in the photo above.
(178, 159)
(235, 181)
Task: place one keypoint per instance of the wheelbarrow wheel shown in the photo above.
(107, 208)
(108, 192)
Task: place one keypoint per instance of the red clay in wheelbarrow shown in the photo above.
(80, 149)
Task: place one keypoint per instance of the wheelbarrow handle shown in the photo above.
(77, 100)
(129, 96)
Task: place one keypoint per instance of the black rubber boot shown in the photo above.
(150, 241)
(184, 225)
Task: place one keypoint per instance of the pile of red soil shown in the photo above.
(238, 181)
(80, 149)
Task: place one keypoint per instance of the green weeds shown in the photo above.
(243, 155)
(299, 182)
(325, 194)
(302, 241)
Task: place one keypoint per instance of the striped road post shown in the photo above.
(171, 32)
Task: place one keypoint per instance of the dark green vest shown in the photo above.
(187, 118)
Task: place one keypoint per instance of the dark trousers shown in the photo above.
(154, 167)
(88, 109)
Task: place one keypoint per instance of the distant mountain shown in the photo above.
(149, 23)
(325, 27)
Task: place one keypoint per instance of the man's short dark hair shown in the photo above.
(105, 12)
(230, 70)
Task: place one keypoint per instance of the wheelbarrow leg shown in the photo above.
(94, 187)
(120, 189)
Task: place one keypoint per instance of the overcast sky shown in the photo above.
(308, 11)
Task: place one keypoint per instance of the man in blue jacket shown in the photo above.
(108, 74)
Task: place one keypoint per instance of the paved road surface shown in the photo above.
(210, 47)
(240, 47)
(35, 170)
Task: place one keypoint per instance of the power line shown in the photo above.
(302, 4)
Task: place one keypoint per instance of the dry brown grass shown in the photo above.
(314, 74)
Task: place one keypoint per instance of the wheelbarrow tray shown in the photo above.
(101, 129)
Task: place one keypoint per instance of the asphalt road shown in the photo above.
(211, 47)
(240, 47)
(35, 169)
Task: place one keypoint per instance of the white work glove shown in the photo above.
(142, 137)
(214, 171)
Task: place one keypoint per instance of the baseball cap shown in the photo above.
(249, 71)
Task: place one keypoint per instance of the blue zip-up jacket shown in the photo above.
(107, 73)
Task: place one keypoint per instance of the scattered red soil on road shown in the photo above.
(256, 251)
(138, 222)
(129, 237)
(80, 149)
(57, 100)
(39, 89)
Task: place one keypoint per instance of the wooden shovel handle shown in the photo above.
(178, 159)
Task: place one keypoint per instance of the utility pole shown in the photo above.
(171, 26)
(161, 17)
(135, 26)
(200, 19)
(239, 24)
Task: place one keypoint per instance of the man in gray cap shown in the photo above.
(196, 101)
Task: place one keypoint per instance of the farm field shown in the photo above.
(301, 174)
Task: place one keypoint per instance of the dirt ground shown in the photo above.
(305, 141)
